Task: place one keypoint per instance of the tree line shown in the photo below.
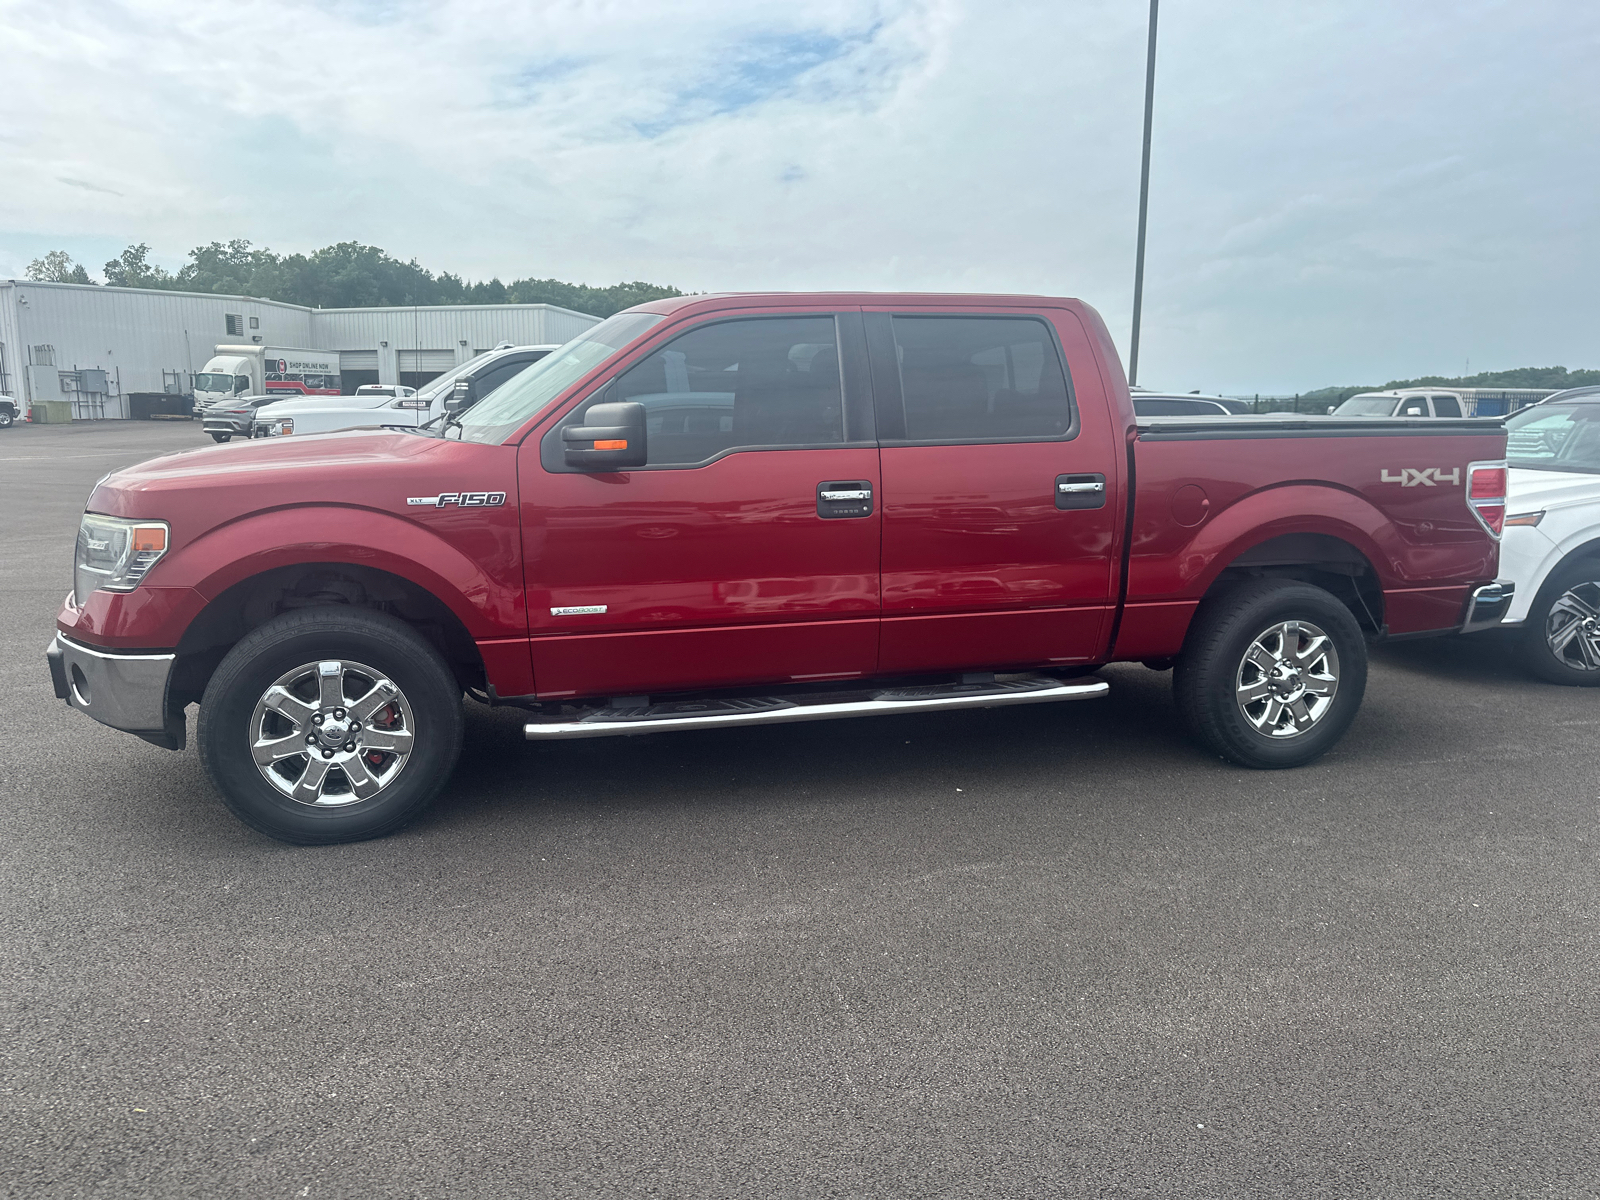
(344, 275)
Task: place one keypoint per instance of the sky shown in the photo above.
(1341, 192)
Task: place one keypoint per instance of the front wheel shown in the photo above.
(1561, 637)
(330, 725)
(220, 437)
(6, 417)
(1272, 673)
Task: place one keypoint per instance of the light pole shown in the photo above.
(1144, 197)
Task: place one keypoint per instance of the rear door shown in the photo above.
(746, 550)
(1001, 479)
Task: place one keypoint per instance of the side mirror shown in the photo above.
(610, 438)
(460, 396)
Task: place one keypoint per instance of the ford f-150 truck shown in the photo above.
(733, 510)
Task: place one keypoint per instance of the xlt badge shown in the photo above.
(460, 499)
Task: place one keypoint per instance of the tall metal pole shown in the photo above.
(1144, 197)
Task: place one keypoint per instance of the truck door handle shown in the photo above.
(844, 498)
(1080, 491)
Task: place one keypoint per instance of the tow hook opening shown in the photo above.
(80, 686)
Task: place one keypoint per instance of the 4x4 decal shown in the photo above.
(1423, 476)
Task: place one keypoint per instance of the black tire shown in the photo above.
(220, 437)
(1206, 680)
(428, 692)
(6, 418)
(1576, 581)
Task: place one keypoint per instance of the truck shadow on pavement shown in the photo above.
(1484, 658)
(852, 761)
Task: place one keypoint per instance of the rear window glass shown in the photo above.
(976, 379)
(1566, 438)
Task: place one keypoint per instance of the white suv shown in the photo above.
(378, 404)
(1551, 546)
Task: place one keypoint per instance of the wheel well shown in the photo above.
(255, 601)
(1587, 551)
(1320, 559)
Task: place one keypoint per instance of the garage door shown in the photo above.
(357, 360)
(427, 360)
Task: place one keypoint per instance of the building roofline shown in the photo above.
(385, 308)
(106, 287)
(445, 308)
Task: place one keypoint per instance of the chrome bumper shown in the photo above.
(124, 691)
(1488, 605)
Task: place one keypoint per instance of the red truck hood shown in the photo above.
(198, 490)
(258, 460)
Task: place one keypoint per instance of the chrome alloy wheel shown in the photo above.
(1288, 678)
(331, 733)
(1572, 630)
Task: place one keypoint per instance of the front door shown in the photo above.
(999, 493)
(745, 551)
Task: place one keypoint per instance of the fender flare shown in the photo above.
(1309, 508)
(260, 542)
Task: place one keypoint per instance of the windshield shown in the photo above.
(504, 410)
(1561, 438)
(212, 381)
(1366, 406)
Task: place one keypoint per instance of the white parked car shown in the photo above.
(1551, 546)
(1186, 404)
(378, 404)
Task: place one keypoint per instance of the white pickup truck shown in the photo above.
(381, 404)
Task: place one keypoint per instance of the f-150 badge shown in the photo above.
(1420, 476)
(459, 499)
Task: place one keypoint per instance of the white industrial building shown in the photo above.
(121, 352)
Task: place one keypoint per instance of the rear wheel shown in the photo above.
(1272, 673)
(330, 725)
(220, 437)
(1561, 637)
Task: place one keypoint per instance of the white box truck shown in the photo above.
(259, 370)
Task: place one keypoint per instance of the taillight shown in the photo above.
(1486, 494)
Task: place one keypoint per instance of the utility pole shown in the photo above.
(1144, 197)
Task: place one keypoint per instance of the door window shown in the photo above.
(495, 376)
(981, 379)
(1446, 406)
(754, 384)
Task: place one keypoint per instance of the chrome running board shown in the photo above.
(774, 710)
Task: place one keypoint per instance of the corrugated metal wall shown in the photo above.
(445, 328)
(134, 335)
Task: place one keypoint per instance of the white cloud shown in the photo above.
(1341, 191)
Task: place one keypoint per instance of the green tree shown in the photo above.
(58, 267)
(131, 268)
(355, 275)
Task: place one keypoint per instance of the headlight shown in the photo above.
(115, 554)
(1528, 518)
(285, 426)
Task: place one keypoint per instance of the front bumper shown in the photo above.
(1488, 605)
(124, 691)
(237, 426)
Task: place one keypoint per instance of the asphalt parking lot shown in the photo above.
(1037, 952)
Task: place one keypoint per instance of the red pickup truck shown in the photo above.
(734, 510)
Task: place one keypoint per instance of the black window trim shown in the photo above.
(891, 396)
(854, 380)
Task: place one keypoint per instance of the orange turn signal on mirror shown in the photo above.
(148, 538)
(616, 444)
